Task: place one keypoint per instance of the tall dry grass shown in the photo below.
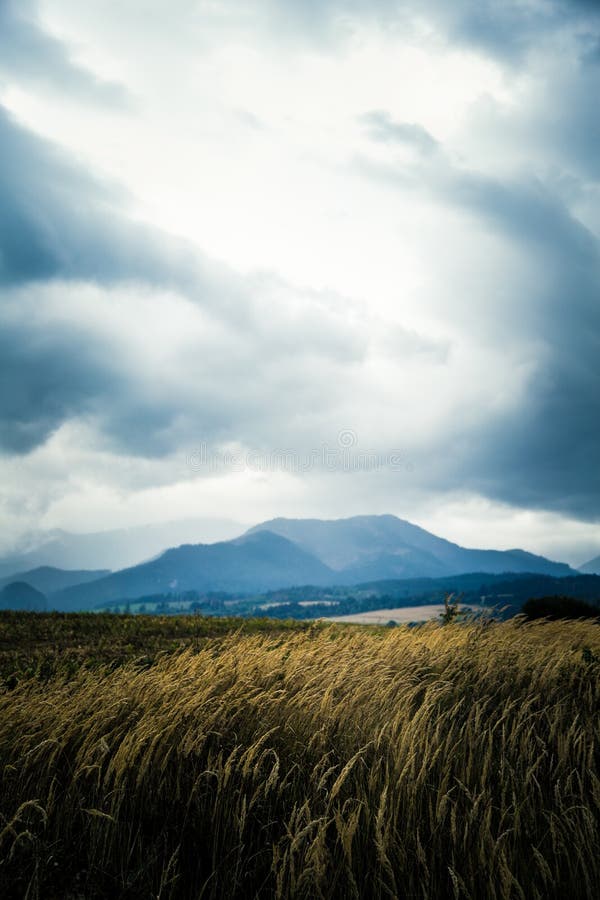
(439, 762)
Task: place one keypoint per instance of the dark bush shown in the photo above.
(558, 607)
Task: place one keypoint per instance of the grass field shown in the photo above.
(46, 644)
(306, 762)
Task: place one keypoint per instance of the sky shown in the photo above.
(302, 258)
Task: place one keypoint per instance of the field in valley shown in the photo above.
(400, 615)
(189, 758)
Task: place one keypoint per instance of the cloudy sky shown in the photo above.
(304, 258)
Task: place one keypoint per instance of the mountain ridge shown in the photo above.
(246, 563)
(49, 579)
(350, 542)
(285, 552)
(591, 567)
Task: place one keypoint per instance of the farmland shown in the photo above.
(398, 615)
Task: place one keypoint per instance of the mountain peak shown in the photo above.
(384, 546)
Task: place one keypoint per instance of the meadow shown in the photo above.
(201, 760)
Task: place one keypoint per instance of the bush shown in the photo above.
(559, 607)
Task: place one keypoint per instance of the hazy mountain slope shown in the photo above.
(19, 595)
(365, 546)
(592, 567)
(405, 563)
(47, 579)
(344, 542)
(114, 549)
(259, 561)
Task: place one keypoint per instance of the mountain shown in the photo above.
(364, 548)
(286, 552)
(114, 549)
(260, 561)
(47, 579)
(18, 595)
(592, 567)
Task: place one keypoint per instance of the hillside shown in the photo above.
(260, 561)
(18, 595)
(49, 579)
(592, 567)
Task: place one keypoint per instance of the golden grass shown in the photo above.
(439, 762)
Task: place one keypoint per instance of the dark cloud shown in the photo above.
(43, 200)
(508, 30)
(30, 54)
(567, 123)
(48, 376)
(541, 451)
(64, 361)
(56, 220)
(546, 457)
(525, 209)
(554, 124)
(504, 29)
(544, 452)
(61, 230)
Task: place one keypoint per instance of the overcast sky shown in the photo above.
(247, 244)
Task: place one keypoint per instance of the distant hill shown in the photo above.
(47, 579)
(19, 595)
(592, 567)
(260, 561)
(364, 548)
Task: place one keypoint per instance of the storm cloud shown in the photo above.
(82, 283)
(407, 247)
(546, 312)
(57, 220)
